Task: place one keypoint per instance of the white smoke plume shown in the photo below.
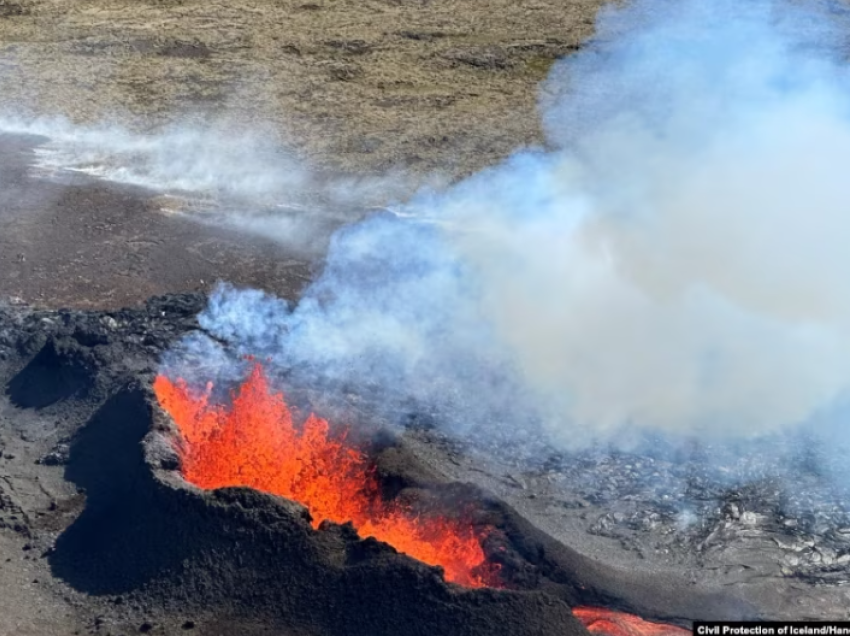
(675, 259)
(218, 172)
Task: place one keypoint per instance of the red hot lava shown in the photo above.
(610, 623)
(255, 443)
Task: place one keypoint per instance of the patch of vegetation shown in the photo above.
(539, 65)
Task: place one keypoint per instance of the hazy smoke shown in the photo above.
(677, 259)
(218, 173)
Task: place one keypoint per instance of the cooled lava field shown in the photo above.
(112, 519)
(101, 525)
(95, 500)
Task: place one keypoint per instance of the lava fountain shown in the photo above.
(255, 443)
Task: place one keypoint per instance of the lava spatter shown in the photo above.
(255, 443)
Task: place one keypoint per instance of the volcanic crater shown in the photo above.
(155, 548)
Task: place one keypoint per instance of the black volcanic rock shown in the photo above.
(61, 370)
(146, 532)
(169, 549)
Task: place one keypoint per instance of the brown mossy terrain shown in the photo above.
(356, 85)
(352, 86)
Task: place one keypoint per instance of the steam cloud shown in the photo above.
(675, 259)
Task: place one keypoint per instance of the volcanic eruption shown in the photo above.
(574, 295)
(512, 405)
(255, 443)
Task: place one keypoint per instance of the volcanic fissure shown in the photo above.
(256, 443)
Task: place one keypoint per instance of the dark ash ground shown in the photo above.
(115, 540)
(111, 539)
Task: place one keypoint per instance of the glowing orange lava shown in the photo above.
(610, 623)
(255, 443)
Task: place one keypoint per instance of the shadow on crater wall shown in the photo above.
(56, 373)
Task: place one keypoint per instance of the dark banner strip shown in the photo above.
(772, 628)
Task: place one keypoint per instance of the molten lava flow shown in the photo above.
(254, 443)
(609, 623)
